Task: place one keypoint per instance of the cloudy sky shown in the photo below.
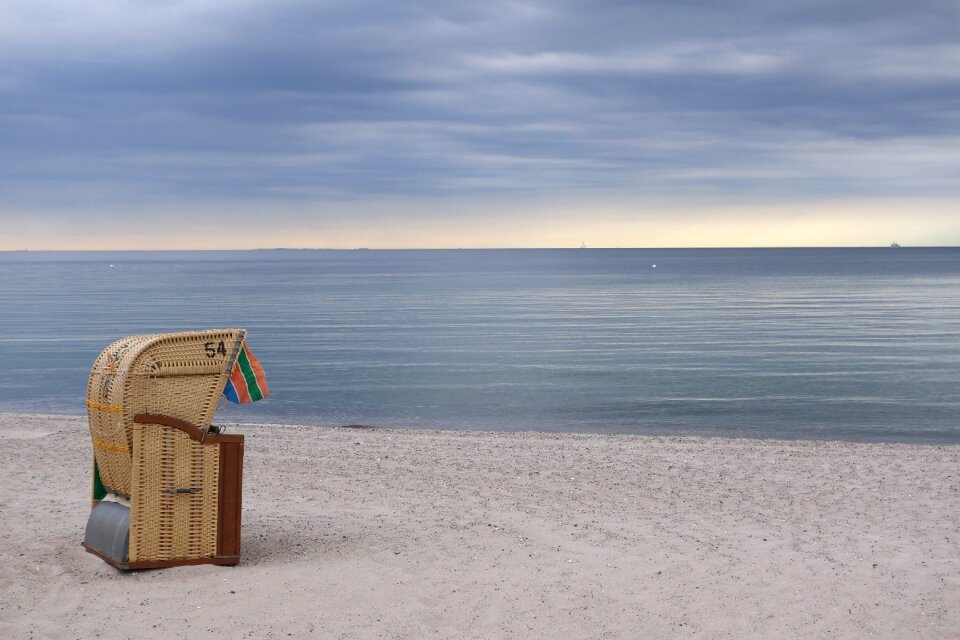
(311, 123)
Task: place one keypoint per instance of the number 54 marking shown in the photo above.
(212, 352)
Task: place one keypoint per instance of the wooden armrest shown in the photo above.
(191, 430)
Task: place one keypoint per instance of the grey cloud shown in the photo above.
(347, 99)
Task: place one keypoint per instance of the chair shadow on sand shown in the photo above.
(273, 540)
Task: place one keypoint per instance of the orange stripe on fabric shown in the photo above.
(240, 384)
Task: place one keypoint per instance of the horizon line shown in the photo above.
(570, 248)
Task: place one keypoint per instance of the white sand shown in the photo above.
(422, 534)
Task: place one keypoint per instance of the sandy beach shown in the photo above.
(372, 533)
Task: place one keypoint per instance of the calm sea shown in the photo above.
(860, 344)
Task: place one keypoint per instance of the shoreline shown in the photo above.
(951, 441)
(385, 532)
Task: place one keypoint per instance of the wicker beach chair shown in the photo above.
(166, 486)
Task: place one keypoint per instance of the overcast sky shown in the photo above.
(208, 123)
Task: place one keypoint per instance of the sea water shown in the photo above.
(860, 344)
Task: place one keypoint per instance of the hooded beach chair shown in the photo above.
(167, 485)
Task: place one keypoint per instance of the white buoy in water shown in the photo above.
(110, 267)
(653, 266)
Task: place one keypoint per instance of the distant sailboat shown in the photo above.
(583, 245)
(894, 245)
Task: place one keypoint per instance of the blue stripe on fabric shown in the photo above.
(231, 392)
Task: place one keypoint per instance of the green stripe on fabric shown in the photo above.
(247, 370)
(99, 492)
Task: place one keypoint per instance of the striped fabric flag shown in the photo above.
(247, 382)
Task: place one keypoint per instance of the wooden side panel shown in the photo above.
(230, 494)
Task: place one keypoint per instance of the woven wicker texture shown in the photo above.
(181, 375)
(165, 525)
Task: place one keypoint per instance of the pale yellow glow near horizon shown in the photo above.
(442, 224)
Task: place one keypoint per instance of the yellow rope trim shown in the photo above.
(104, 407)
(110, 447)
